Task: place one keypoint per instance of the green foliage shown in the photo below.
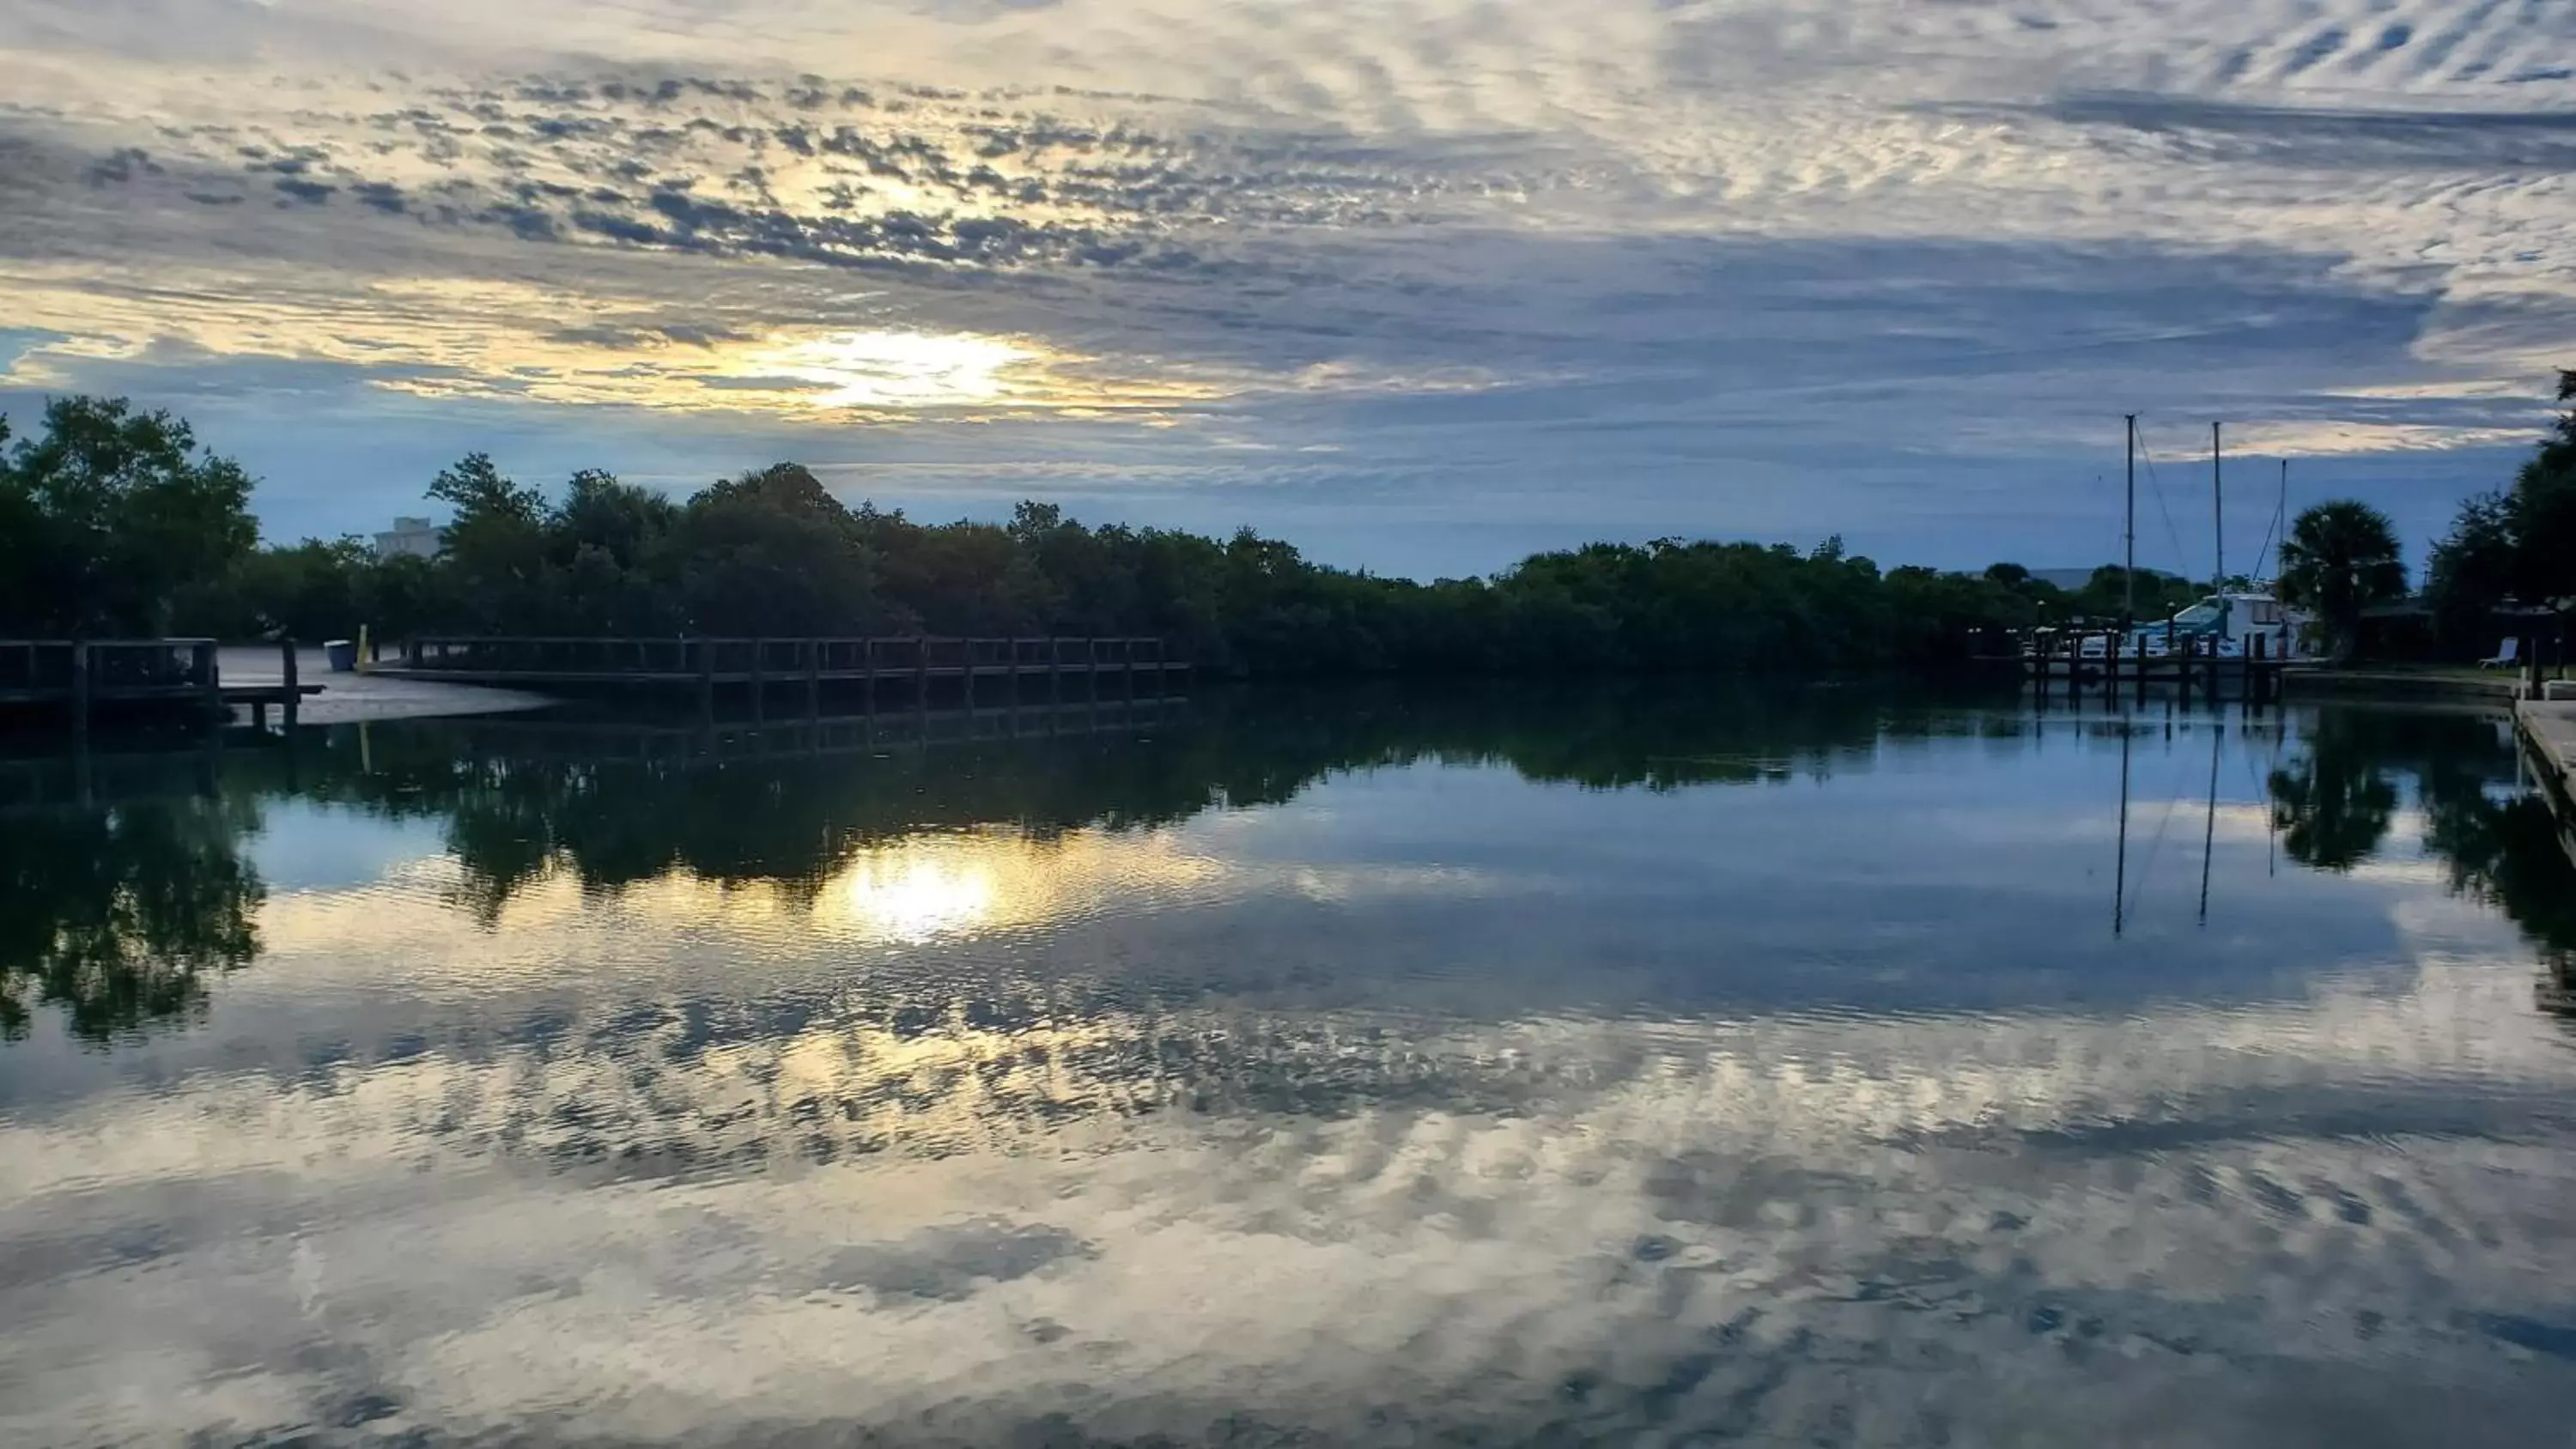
(2110, 595)
(2341, 557)
(2543, 512)
(112, 512)
(772, 553)
(2472, 571)
(2514, 547)
(110, 519)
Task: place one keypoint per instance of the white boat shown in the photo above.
(2230, 622)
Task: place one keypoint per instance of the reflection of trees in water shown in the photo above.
(2335, 805)
(2508, 853)
(118, 914)
(797, 821)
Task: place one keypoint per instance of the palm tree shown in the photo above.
(2340, 558)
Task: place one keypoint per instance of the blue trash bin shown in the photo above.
(343, 654)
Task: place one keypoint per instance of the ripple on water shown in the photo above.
(1435, 1105)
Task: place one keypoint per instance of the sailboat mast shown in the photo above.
(2280, 515)
(2217, 514)
(2129, 560)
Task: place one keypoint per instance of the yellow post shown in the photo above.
(362, 648)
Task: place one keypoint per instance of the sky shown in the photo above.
(1420, 285)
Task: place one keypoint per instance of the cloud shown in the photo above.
(703, 1162)
(1686, 235)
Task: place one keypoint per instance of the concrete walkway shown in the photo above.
(2550, 725)
(347, 698)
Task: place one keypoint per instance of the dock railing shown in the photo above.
(84, 672)
(734, 660)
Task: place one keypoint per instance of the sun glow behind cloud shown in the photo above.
(900, 369)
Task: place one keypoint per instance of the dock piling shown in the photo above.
(80, 686)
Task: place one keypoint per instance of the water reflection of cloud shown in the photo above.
(1156, 1226)
(1307, 1121)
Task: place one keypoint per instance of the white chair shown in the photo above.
(2507, 655)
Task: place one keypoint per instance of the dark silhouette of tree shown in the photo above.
(2472, 571)
(773, 552)
(112, 519)
(2543, 510)
(2516, 546)
(2339, 558)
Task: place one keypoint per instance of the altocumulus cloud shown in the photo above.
(1733, 267)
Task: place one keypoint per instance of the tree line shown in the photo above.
(2514, 546)
(114, 521)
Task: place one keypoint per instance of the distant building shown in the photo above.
(408, 538)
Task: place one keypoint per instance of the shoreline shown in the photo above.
(355, 697)
(2499, 688)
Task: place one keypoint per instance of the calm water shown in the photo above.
(1400, 1069)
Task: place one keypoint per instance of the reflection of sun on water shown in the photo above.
(913, 897)
(905, 892)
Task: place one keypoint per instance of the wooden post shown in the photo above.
(210, 687)
(80, 686)
(759, 683)
(1130, 652)
(2140, 687)
(868, 670)
(706, 678)
(921, 674)
(2254, 671)
(813, 679)
(294, 697)
(1055, 672)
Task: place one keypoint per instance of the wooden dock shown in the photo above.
(757, 668)
(2549, 728)
(2058, 662)
(75, 681)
